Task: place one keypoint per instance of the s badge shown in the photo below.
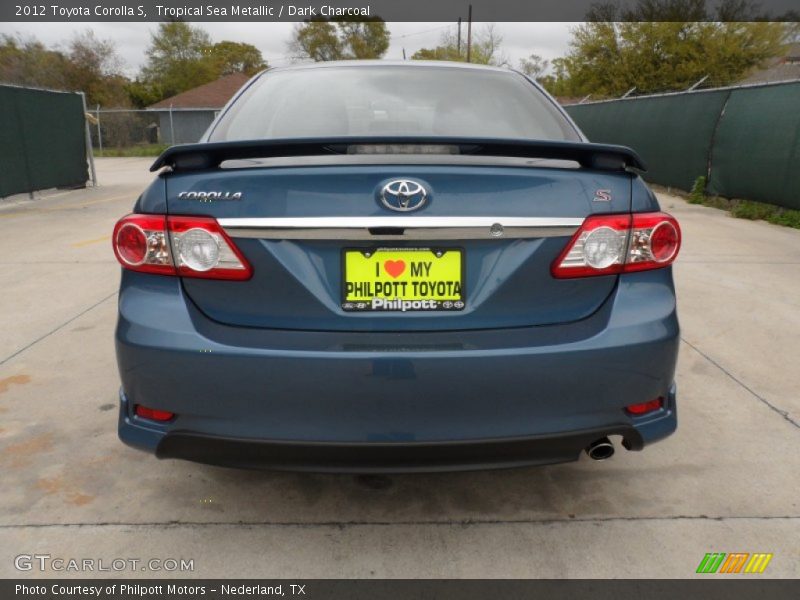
(602, 196)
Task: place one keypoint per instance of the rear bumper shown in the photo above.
(369, 402)
(380, 457)
(385, 457)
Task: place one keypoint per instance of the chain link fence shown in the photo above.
(119, 128)
(116, 130)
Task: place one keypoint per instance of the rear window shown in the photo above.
(392, 101)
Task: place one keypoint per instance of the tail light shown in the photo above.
(174, 245)
(609, 244)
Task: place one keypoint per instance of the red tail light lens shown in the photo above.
(645, 407)
(141, 244)
(184, 246)
(664, 241)
(131, 244)
(153, 414)
(609, 244)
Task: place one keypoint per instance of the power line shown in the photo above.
(405, 35)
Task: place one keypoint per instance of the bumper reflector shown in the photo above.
(645, 407)
(153, 414)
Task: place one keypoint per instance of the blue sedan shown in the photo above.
(380, 267)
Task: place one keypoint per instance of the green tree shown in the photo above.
(664, 45)
(142, 93)
(439, 53)
(181, 57)
(95, 68)
(330, 39)
(235, 57)
(557, 82)
(26, 61)
(88, 65)
(486, 48)
(177, 60)
(368, 38)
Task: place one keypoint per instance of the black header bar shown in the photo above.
(389, 10)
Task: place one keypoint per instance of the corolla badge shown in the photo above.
(208, 196)
(403, 195)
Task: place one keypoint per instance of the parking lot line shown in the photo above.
(46, 209)
(52, 331)
(83, 243)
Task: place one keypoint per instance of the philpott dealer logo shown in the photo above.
(735, 562)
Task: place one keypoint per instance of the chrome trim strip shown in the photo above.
(400, 228)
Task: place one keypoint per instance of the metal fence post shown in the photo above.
(99, 131)
(89, 152)
(171, 127)
(694, 87)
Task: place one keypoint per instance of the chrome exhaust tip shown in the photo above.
(601, 449)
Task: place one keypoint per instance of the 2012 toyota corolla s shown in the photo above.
(376, 267)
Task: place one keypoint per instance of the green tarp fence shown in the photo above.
(745, 140)
(42, 140)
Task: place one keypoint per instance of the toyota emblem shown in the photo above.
(403, 195)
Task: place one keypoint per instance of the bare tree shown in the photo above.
(534, 66)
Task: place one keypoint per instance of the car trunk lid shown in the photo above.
(294, 225)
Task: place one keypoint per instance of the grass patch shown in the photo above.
(698, 193)
(139, 150)
(745, 209)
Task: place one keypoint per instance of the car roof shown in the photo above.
(391, 63)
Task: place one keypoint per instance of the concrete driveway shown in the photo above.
(726, 482)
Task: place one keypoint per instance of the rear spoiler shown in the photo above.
(210, 155)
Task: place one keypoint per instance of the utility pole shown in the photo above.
(469, 34)
(404, 53)
(459, 37)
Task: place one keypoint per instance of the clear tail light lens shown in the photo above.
(175, 245)
(609, 244)
(202, 249)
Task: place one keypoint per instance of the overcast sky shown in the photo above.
(548, 40)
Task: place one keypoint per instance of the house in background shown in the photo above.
(185, 117)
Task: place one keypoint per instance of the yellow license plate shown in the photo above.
(403, 279)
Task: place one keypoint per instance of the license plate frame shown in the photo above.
(452, 303)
